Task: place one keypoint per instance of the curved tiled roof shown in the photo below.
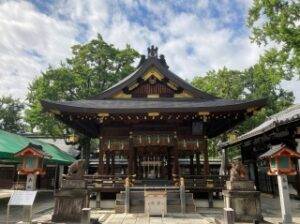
(145, 105)
(291, 114)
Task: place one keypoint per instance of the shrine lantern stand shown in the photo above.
(281, 164)
(32, 163)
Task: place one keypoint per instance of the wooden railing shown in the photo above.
(211, 182)
(192, 182)
(105, 181)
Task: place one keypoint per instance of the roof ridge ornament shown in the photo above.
(152, 52)
(162, 61)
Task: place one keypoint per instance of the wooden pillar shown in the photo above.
(192, 171)
(198, 163)
(130, 155)
(98, 200)
(113, 164)
(107, 163)
(210, 199)
(206, 162)
(297, 140)
(101, 153)
(169, 167)
(175, 156)
(135, 165)
(256, 178)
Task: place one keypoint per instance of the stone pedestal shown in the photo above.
(228, 216)
(70, 200)
(86, 216)
(244, 200)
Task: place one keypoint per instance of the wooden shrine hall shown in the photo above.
(153, 119)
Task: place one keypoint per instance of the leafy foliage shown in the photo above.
(277, 21)
(94, 67)
(11, 114)
(262, 80)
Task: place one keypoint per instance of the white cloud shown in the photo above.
(192, 44)
(29, 41)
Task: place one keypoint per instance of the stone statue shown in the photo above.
(241, 196)
(72, 196)
(238, 172)
(76, 170)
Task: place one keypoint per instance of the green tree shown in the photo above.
(11, 114)
(224, 83)
(262, 80)
(277, 21)
(93, 67)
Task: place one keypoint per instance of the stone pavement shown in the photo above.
(5, 193)
(173, 218)
(270, 206)
(44, 203)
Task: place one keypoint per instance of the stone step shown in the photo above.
(171, 199)
(171, 209)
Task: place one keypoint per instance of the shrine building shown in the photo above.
(152, 119)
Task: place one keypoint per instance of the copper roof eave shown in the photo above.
(49, 106)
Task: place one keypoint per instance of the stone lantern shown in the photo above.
(32, 157)
(280, 160)
(281, 164)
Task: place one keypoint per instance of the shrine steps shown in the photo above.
(137, 202)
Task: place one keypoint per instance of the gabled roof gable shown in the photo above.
(152, 63)
(32, 149)
(278, 151)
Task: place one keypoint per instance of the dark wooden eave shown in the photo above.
(146, 105)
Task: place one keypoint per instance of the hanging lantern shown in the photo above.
(72, 139)
(232, 137)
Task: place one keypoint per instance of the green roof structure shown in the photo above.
(12, 143)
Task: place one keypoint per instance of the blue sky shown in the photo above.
(195, 36)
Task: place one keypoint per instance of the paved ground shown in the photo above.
(174, 218)
(4, 193)
(271, 213)
(44, 203)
